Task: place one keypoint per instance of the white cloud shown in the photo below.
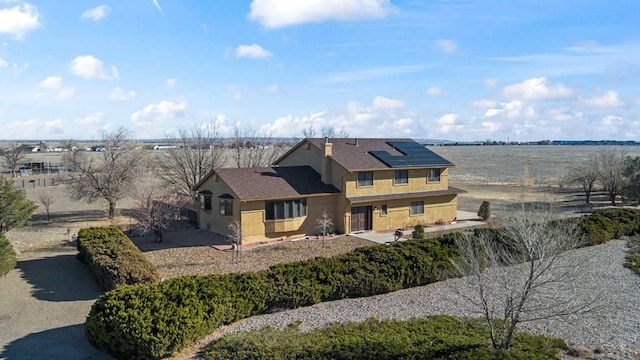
(88, 67)
(608, 99)
(435, 91)
(3, 63)
(611, 121)
(115, 74)
(66, 92)
(512, 110)
(372, 73)
(281, 13)
(118, 94)
(51, 82)
(19, 20)
(446, 45)
(491, 82)
(91, 119)
(449, 123)
(273, 88)
(254, 51)
(155, 114)
(157, 5)
(536, 89)
(484, 104)
(96, 13)
(170, 82)
(383, 103)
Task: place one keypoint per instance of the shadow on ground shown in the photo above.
(180, 234)
(56, 278)
(68, 216)
(66, 342)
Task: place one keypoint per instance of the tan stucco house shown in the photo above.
(364, 184)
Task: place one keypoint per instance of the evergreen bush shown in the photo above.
(484, 212)
(8, 258)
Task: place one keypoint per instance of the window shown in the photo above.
(286, 209)
(365, 178)
(433, 175)
(383, 210)
(225, 204)
(417, 208)
(402, 177)
(205, 200)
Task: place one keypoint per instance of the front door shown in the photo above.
(361, 218)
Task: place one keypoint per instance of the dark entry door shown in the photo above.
(361, 218)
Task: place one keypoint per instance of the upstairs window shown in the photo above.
(205, 199)
(225, 204)
(401, 177)
(433, 175)
(365, 178)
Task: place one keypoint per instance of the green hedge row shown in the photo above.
(8, 258)
(437, 337)
(154, 321)
(113, 258)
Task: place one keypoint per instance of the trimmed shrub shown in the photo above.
(156, 320)
(605, 225)
(113, 258)
(484, 212)
(418, 232)
(632, 260)
(8, 259)
(437, 337)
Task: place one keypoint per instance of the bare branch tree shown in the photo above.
(108, 175)
(309, 132)
(253, 149)
(196, 152)
(324, 224)
(585, 175)
(612, 165)
(12, 155)
(154, 210)
(235, 236)
(331, 132)
(515, 273)
(46, 199)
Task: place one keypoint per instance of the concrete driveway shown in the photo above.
(43, 306)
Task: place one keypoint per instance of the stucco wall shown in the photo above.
(383, 183)
(211, 219)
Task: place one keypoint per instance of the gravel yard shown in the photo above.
(615, 326)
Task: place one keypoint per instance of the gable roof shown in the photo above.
(364, 154)
(273, 182)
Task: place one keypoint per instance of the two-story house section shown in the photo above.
(364, 184)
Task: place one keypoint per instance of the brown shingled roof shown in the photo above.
(357, 157)
(274, 182)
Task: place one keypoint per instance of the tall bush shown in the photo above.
(484, 212)
(8, 258)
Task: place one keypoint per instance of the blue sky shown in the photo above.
(456, 70)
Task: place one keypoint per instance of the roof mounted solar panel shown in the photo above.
(413, 154)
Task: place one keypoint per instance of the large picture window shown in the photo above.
(417, 208)
(401, 177)
(433, 175)
(365, 178)
(285, 209)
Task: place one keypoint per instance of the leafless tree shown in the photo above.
(585, 175)
(516, 272)
(12, 155)
(331, 132)
(196, 152)
(611, 166)
(309, 132)
(253, 149)
(325, 224)
(154, 209)
(110, 175)
(46, 199)
(235, 236)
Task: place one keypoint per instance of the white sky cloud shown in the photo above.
(273, 88)
(536, 89)
(446, 45)
(515, 109)
(51, 82)
(491, 82)
(281, 13)
(254, 51)
(155, 114)
(3, 63)
(484, 104)
(157, 5)
(383, 103)
(372, 73)
(91, 119)
(118, 94)
(435, 91)
(19, 20)
(66, 92)
(171, 82)
(97, 13)
(608, 99)
(88, 67)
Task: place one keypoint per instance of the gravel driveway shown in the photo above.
(616, 325)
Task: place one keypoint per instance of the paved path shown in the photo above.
(465, 220)
(43, 305)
